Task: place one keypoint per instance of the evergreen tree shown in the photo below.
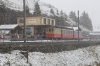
(2, 8)
(65, 16)
(2, 13)
(73, 16)
(57, 12)
(27, 10)
(61, 13)
(37, 11)
(86, 21)
(52, 11)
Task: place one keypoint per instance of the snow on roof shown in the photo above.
(8, 26)
(94, 33)
(75, 28)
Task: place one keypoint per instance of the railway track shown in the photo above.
(46, 46)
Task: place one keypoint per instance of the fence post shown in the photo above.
(27, 56)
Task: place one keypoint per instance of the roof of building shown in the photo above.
(8, 26)
(95, 33)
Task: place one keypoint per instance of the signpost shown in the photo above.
(78, 27)
(24, 10)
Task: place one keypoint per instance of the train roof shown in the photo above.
(64, 27)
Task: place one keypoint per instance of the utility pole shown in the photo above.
(78, 27)
(24, 10)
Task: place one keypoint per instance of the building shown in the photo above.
(10, 30)
(36, 25)
(94, 35)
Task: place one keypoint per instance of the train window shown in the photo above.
(48, 21)
(44, 21)
(52, 30)
(49, 30)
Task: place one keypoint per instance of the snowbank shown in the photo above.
(80, 57)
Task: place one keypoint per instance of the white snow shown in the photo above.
(18, 5)
(79, 57)
(8, 26)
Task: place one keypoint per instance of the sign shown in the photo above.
(32, 20)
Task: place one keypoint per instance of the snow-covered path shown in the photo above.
(79, 57)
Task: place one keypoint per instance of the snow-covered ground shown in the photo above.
(80, 57)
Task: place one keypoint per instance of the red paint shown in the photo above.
(75, 36)
(53, 35)
(67, 35)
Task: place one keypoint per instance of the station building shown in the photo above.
(36, 25)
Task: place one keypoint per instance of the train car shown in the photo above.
(62, 33)
(80, 35)
(76, 35)
(53, 33)
(67, 33)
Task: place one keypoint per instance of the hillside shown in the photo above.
(18, 5)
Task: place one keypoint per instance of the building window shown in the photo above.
(28, 31)
(44, 21)
(21, 21)
(48, 21)
(52, 22)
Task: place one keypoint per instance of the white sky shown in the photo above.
(92, 7)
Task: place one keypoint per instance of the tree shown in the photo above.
(86, 21)
(52, 11)
(73, 16)
(65, 16)
(57, 12)
(37, 11)
(61, 13)
(3, 13)
(27, 10)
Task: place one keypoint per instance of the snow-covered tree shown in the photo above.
(37, 11)
(61, 13)
(27, 9)
(57, 12)
(86, 21)
(73, 16)
(52, 11)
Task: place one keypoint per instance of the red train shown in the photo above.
(62, 33)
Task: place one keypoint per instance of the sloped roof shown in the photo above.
(8, 26)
